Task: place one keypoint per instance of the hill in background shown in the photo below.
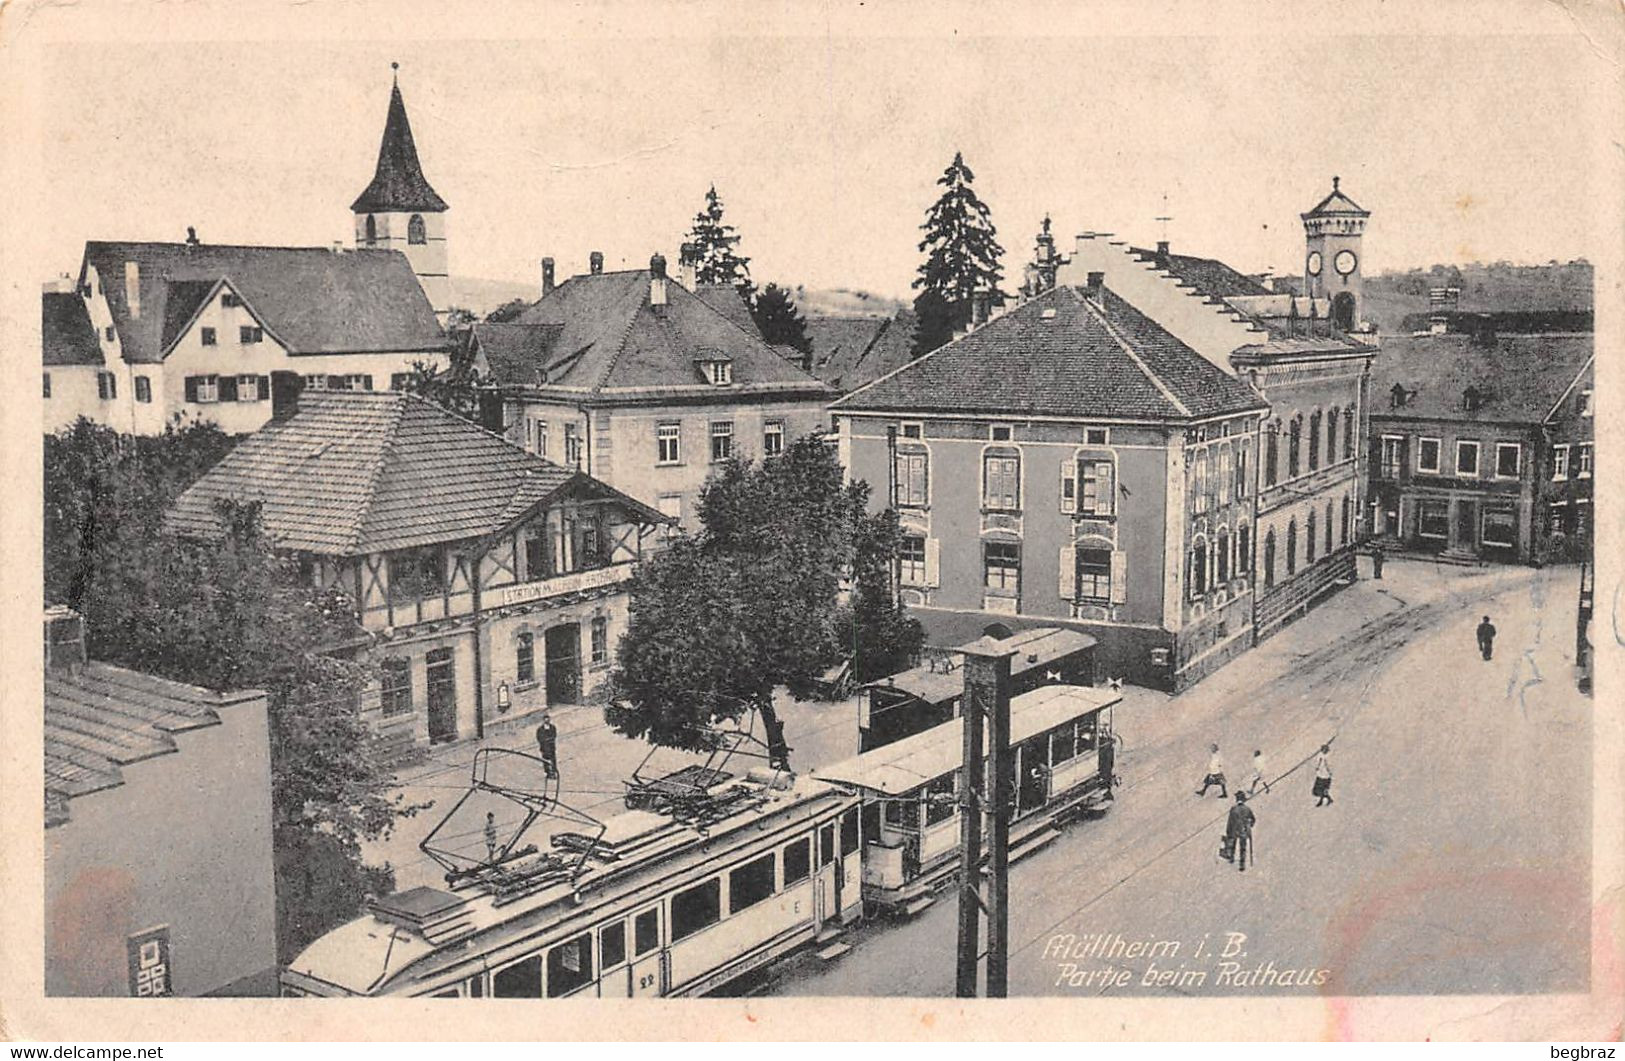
(1499, 287)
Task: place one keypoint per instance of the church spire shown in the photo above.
(398, 184)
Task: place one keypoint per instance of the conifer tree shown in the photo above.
(716, 243)
(962, 259)
(778, 320)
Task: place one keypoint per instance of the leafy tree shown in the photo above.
(224, 614)
(778, 320)
(885, 638)
(508, 311)
(457, 388)
(459, 317)
(719, 620)
(716, 243)
(962, 259)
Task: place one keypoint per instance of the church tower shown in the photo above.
(1333, 256)
(400, 211)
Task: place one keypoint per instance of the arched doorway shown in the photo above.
(1343, 311)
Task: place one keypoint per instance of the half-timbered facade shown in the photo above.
(493, 582)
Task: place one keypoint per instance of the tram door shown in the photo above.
(830, 880)
(649, 968)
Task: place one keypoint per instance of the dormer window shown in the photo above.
(1472, 399)
(1397, 396)
(716, 368)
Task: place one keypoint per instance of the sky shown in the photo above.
(826, 146)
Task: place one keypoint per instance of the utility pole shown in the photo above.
(987, 697)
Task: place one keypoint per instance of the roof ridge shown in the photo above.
(1128, 349)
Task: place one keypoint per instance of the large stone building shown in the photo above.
(1071, 463)
(1481, 445)
(643, 383)
(493, 582)
(195, 332)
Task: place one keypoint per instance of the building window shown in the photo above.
(396, 693)
(912, 430)
(415, 231)
(1272, 454)
(1095, 574)
(415, 574)
(206, 336)
(1198, 579)
(47, 384)
(1291, 546)
(773, 438)
(1466, 459)
(541, 438)
(1001, 568)
(751, 883)
(248, 389)
(668, 443)
(1314, 440)
(1001, 482)
(143, 390)
(316, 383)
(1331, 436)
(1226, 474)
(1096, 436)
(1293, 446)
(1508, 460)
(1560, 462)
(1427, 456)
(1582, 469)
(911, 554)
(1199, 469)
(1393, 456)
(399, 381)
(912, 478)
(572, 445)
(1584, 403)
(1348, 511)
(1241, 469)
(355, 381)
(720, 373)
(1224, 555)
(696, 908)
(1269, 558)
(1099, 491)
(1309, 538)
(371, 230)
(536, 556)
(600, 640)
(999, 433)
(1500, 528)
(251, 333)
(229, 299)
(525, 659)
(1328, 528)
(1433, 521)
(1244, 554)
(722, 440)
(106, 386)
(1348, 434)
(108, 333)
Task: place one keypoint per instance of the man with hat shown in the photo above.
(1238, 832)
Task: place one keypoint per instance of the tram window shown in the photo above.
(1063, 744)
(476, 987)
(797, 861)
(939, 800)
(520, 980)
(849, 831)
(1086, 734)
(612, 944)
(646, 931)
(450, 992)
(826, 845)
(569, 966)
(750, 883)
(698, 907)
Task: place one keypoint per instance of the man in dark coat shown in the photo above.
(1486, 637)
(1376, 563)
(1238, 832)
(547, 742)
(1108, 761)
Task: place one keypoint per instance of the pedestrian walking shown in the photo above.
(1376, 563)
(490, 836)
(1260, 769)
(1238, 833)
(1108, 761)
(1323, 776)
(547, 742)
(1486, 637)
(1215, 775)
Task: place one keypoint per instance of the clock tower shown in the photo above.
(1333, 256)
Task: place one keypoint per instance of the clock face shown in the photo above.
(1314, 262)
(1345, 262)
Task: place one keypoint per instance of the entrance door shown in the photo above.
(564, 664)
(442, 696)
(829, 877)
(649, 970)
(1467, 524)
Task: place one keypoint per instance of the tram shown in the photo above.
(910, 790)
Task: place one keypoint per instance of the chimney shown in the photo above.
(1096, 285)
(338, 246)
(657, 281)
(978, 310)
(688, 262)
(1162, 252)
(547, 277)
(132, 288)
(191, 236)
(595, 262)
(64, 639)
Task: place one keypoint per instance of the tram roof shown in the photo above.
(911, 763)
(365, 955)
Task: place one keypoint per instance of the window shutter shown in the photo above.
(265, 388)
(1069, 487)
(933, 562)
(1069, 572)
(1119, 576)
(1108, 488)
(335, 383)
(228, 388)
(366, 382)
(191, 388)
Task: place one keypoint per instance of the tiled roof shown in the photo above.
(1337, 203)
(312, 299)
(398, 183)
(358, 472)
(1063, 355)
(515, 353)
(851, 351)
(726, 300)
(65, 332)
(99, 718)
(1523, 376)
(1208, 275)
(598, 335)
